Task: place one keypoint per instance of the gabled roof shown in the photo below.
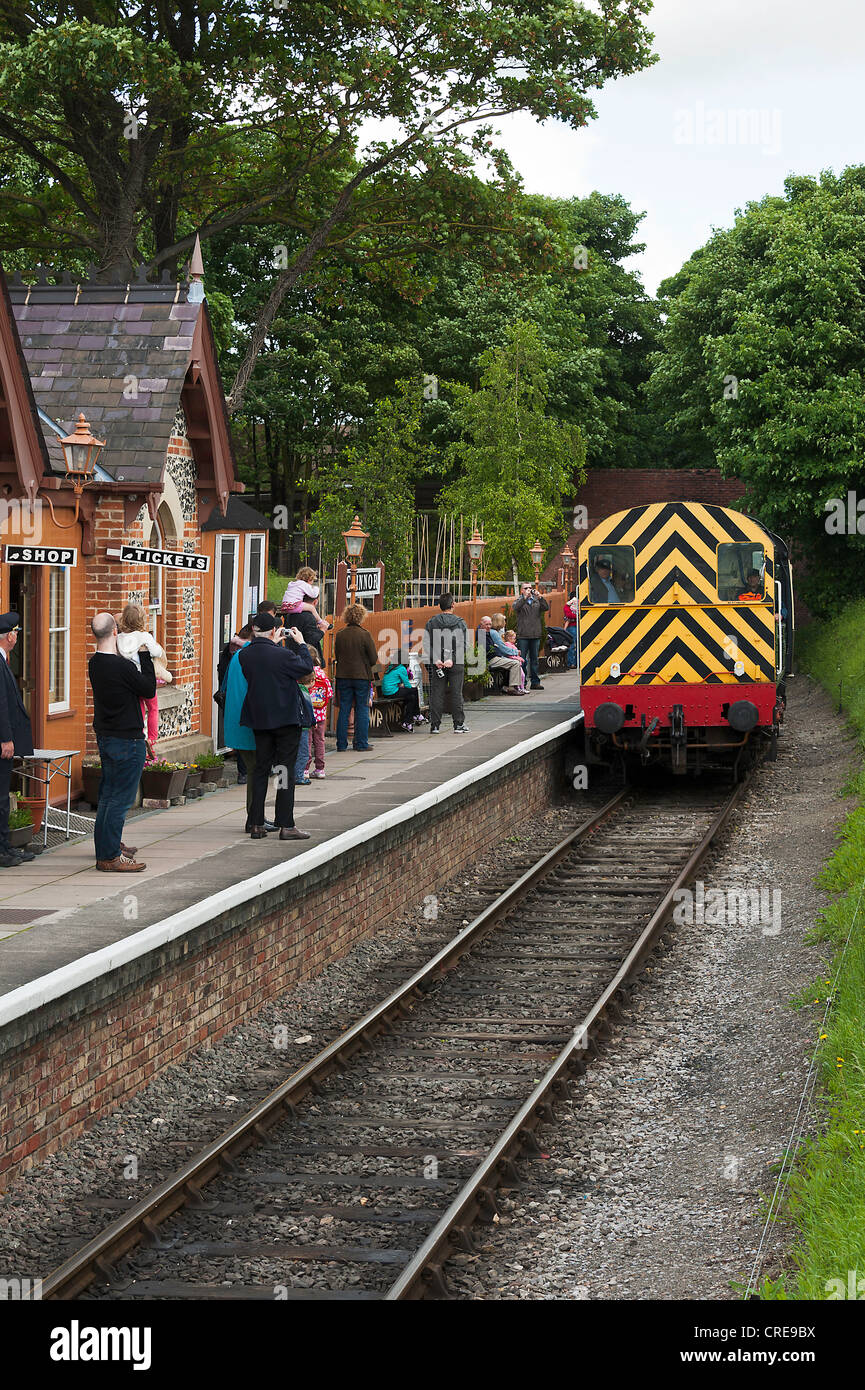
(121, 354)
(22, 446)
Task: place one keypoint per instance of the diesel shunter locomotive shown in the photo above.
(685, 637)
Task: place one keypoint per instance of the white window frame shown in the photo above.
(249, 606)
(154, 610)
(60, 706)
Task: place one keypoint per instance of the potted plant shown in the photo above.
(21, 829)
(193, 780)
(475, 687)
(162, 780)
(211, 765)
(36, 803)
(91, 776)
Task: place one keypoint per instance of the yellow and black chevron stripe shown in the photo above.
(677, 629)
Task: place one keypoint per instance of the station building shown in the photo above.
(139, 362)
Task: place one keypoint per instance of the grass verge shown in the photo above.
(826, 1195)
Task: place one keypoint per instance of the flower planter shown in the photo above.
(21, 837)
(212, 774)
(163, 785)
(194, 779)
(91, 777)
(474, 690)
(36, 805)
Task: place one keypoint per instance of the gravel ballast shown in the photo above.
(653, 1181)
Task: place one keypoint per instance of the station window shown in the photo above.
(741, 572)
(58, 639)
(611, 574)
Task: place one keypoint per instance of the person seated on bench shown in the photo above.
(498, 658)
(397, 681)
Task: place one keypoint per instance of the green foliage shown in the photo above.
(826, 1198)
(516, 464)
(375, 479)
(20, 817)
(139, 122)
(762, 366)
(209, 760)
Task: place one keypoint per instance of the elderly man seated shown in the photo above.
(498, 659)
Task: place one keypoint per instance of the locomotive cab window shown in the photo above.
(741, 572)
(611, 574)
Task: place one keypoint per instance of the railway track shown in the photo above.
(360, 1175)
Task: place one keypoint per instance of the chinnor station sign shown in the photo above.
(166, 559)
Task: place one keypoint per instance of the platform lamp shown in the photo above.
(355, 540)
(80, 452)
(475, 546)
(537, 554)
(569, 560)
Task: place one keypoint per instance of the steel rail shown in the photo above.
(69, 1279)
(424, 1273)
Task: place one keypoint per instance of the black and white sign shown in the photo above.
(166, 559)
(40, 555)
(368, 583)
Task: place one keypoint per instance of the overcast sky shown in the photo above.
(667, 141)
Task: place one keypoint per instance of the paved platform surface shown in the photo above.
(59, 908)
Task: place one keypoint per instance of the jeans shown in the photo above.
(122, 761)
(528, 648)
(302, 758)
(571, 657)
(275, 748)
(451, 680)
(351, 693)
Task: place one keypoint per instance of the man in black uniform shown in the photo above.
(16, 736)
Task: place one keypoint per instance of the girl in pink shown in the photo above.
(510, 646)
(301, 593)
(131, 635)
(321, 694)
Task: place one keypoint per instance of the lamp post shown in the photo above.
(537, 554)
(80, 451)
(476, 549)
(569, 559)
(355, 540)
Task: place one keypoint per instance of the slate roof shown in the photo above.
(239, 516)
(119, 353)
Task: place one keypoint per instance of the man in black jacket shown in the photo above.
(273, 710)
(15, 736)
(446, 640)
(118, 689)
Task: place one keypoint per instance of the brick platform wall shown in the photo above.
(71, 1062)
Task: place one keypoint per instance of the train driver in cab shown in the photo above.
(601, 586)
(753, 591)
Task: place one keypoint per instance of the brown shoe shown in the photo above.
(120, 865)
(129, 851)
(292, 833)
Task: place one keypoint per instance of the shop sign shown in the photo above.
(40, 555)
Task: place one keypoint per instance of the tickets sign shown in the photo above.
(165, 559)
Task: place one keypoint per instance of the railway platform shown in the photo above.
(105, 980)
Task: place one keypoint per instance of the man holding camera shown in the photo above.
(529, 609)
(273, 710)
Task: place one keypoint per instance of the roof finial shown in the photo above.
(196, 274)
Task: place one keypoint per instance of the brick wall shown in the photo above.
(71, 1062)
